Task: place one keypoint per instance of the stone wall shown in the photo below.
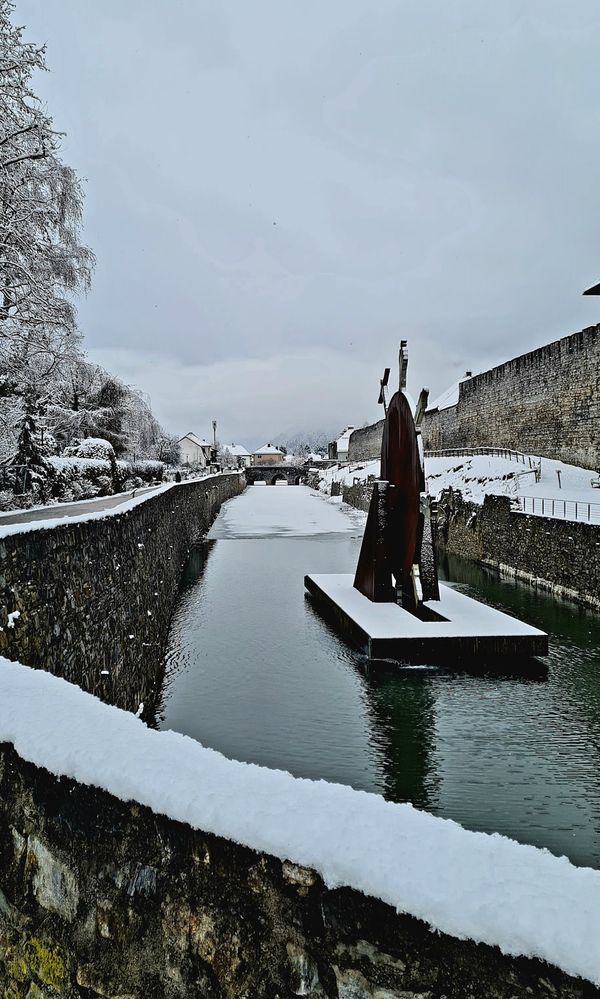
(557, 555)
(358, 495)
(545, 402)
(104, 899)
(365, 443)
(95, 598)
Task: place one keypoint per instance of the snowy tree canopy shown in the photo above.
(42, 261)
(49, 393)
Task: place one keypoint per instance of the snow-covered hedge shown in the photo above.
(148, 471)
(80, 478)
(91, 447)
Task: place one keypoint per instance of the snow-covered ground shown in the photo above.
(470, 885)
(291, 511)
(477, 475)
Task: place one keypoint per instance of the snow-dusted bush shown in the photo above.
(80, 478)
(91, 447)
(8, 500)
(47, 444)
(134, 482)
(149, 471)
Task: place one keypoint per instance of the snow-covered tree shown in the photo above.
(42, 261)
(43, 266)
(29, 453)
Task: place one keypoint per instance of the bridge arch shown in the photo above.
(270, 474)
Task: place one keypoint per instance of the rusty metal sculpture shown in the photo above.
(397, 558)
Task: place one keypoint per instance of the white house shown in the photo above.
(194, 450)
(338, 450)
(242, 458)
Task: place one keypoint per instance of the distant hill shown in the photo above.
(298, 441)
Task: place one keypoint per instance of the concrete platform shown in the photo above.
(461, 627)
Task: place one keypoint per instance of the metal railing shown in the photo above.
(495, 452)
(560, 509)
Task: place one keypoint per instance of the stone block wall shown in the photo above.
(561, 556)
(95, 599)
(99, 898)
(365, 443)
(358, 495)
(545, 402)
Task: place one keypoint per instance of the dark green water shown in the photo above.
(254, 672)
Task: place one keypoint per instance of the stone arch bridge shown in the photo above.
(292, 474)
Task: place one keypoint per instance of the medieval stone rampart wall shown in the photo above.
(365, 443)
(545, 402)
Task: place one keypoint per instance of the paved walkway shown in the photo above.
(58, 510)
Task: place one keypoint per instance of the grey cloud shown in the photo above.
(274, 180)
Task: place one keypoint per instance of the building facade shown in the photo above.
(194, 450)
(268, 455)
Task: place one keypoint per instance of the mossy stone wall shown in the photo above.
(104, 899)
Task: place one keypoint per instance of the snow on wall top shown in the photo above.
(448, 398)
(80, 516)
(77, 513)
(470, 885)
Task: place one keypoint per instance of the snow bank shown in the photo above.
(476, 476)
(346, 474)
(470, 885)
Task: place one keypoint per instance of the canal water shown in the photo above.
(253, 671)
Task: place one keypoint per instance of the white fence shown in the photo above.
(495, 452)
(560, 509)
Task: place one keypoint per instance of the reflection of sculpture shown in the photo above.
(397, 558)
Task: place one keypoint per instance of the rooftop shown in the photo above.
(268, 449)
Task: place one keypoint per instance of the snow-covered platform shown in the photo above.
(460, 627)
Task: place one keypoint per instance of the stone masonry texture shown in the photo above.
(99, 898)
(95, 599)
(561, 556)
(365, 443)
(545, 402)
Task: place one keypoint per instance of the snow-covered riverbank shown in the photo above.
(478, 475)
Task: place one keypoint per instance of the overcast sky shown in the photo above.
(278, 191)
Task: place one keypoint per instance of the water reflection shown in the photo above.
(254, 672)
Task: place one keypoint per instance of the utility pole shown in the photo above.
(214, 447)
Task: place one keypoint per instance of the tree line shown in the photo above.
(50, 394)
